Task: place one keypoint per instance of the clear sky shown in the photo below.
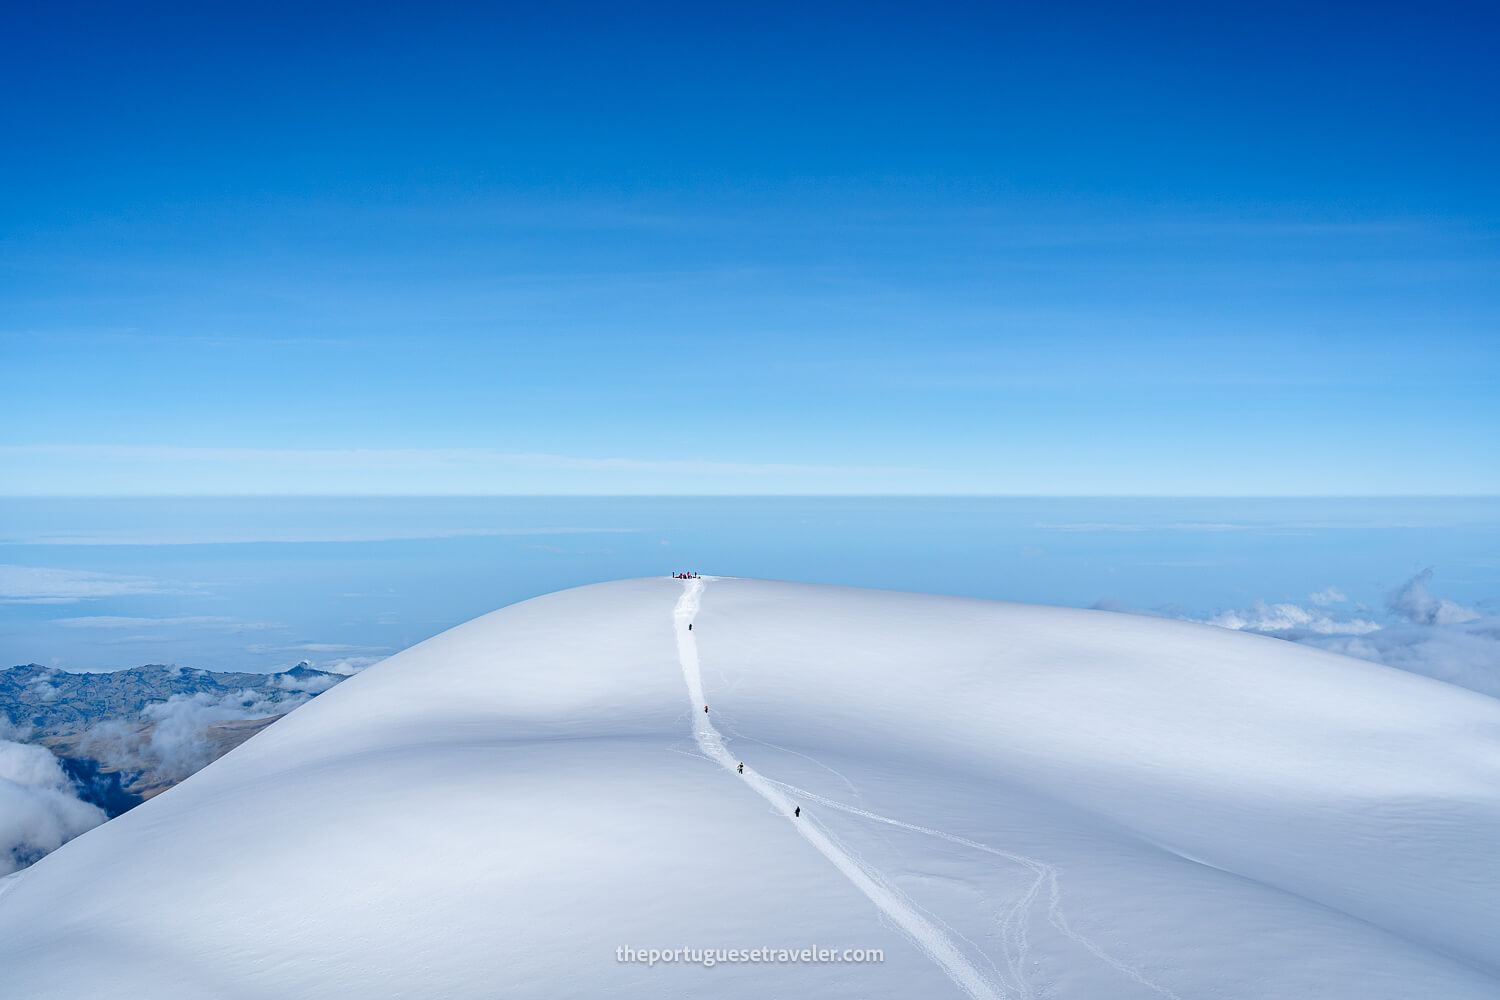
(737, 248)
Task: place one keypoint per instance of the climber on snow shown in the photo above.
(742, 767)
(797, 811)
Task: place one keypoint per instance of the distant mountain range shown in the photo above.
(131, 734)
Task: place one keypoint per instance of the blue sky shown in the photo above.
(1098, 249)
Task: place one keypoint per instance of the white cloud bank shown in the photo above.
(1424, 634)
(1286, 617)
(307, 685)
(150, 626)
(1466, 654)
(1414, 603)
(350, 665)
(39, 810)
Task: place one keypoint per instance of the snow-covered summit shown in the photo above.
(1004, 800)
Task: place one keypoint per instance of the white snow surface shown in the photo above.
(1009, 801)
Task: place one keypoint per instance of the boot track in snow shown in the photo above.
(927, 937)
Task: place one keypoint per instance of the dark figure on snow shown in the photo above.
(705, 709)
(742, 767)
(690, 626)
(797, 811)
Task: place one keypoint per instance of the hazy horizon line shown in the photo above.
(730, 496)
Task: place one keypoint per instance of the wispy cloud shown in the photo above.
(1106, 526)
(318, 647)
(1327, 596)
(242, 535)
(213, 622)
(44, 585)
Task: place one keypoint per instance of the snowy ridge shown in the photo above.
(1006, 801)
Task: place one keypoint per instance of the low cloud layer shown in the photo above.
(176, 739)
(1286, 617)
(210, 622)
(1464, 654)
(1414, 603)
(306, 685)
(1419, 632)
(39, 807)
(147, 741)
(350, 665)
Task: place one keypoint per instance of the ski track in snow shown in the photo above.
(932, 941)
(1014, 926)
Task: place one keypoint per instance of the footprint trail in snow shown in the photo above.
(1014, 927)
(929, 938)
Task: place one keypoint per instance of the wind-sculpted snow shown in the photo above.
(1006, 801)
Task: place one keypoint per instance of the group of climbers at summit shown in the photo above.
(686, 576)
